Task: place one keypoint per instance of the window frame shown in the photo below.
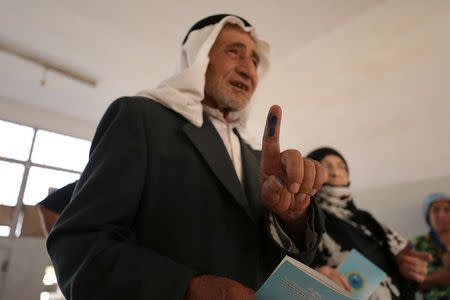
(15, 227)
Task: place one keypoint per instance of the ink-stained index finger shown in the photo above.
(270, 156)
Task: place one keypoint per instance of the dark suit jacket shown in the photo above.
(158, 203)
(58, 200)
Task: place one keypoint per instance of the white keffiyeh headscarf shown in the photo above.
(184, 91)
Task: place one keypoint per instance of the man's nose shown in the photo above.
(247, 69)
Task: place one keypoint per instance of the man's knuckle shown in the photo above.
(308, 162)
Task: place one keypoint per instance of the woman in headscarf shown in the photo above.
(348, 227)
(436, 211)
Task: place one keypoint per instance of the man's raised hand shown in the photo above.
(287, 179)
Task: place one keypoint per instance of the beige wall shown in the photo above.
(400, 205)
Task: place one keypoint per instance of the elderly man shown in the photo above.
(174, 203)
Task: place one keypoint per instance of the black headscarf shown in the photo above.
(214, 19)
(320, 154)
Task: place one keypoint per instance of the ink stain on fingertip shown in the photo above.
(271, 122)
(269, 116)
(271, 131)
(271, 119)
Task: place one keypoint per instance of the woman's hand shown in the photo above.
(413, 264)
(334, 275)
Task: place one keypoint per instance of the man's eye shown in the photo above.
(234, 51)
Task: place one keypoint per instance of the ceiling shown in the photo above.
(356, 74)
(130, 45)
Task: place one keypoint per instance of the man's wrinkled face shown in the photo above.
(231, 77)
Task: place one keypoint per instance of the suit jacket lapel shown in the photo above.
(250, 167)
(210, 145)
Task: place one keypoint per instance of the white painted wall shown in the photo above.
(377, 91)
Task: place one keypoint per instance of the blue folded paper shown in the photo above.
(362, 275)
(293, 280)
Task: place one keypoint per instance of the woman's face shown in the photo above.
(336, 170)
(439, 216)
